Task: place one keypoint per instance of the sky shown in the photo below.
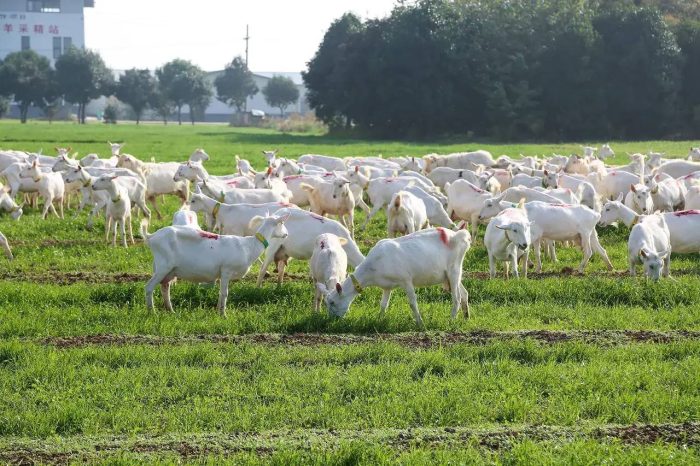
(284, 34)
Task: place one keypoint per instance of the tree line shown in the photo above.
(81, 75)
(522, 69)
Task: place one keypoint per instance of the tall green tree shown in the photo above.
(280, 92)
(637, 68)
(27, 76)
(331, 70)
(137, 88)
(181, 82)
(235, 85)
(82, 76)
(200, 96)
(162, 105)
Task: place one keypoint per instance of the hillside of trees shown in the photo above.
(522, 69)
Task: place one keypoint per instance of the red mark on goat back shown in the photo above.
(191, 218)
(292, 177)
(683, 213)
(478, 190)
(443, 235)
(561, 205)
(206, 234)
(232, 183)
(284, 204)
(317, 217)
(326, 175)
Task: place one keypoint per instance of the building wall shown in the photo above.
(219, 111)
(48, 34)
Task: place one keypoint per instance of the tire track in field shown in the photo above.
(413, 339)
(190, 446)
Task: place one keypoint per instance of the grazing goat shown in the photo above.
(427, 257)
(328, 265)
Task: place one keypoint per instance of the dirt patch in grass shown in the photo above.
(69, 278)
(86, 449)
(413, 340)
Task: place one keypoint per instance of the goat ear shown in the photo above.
(338, 288)
(546, 173)
(521, 204)
(503, 227)
(633, 189)
(619, 197)
(357, 168)
(643, 254)
(342, 241)
(255, 222)
(322, 288)
(655, 189)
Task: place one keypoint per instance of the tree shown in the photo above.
(200, 96)
(180, 82)
(330, 71)
(280, 92)
(235, 85)
(638, 67)
(136, 88)
(83, 76)
(162, 105)
(27, 76)
(51, 101)
(4, 106)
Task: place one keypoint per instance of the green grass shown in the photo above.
(327, 404)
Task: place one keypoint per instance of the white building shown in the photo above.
(49, 27)
(219, 111)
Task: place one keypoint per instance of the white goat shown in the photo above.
(50, 186)
(649, 245)
(333, 197)
(468, 160)
(324, 161)
(232, 219)
(202, 257)
(304, 227)
(118, 208)
(507, 237)
(6, 247)
(425, 258)
(158, 177)
(328, 264)
(639, 199)
(405, 214)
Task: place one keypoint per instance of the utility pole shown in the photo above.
(246, 39)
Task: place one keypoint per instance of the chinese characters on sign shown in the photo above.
(35, 29)
(18, 23)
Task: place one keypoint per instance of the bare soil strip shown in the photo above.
(82, 449)
(412, 340)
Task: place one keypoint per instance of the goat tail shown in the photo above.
(144, 230)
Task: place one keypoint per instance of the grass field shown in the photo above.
(559, 368)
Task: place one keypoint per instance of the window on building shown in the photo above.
(67, 43)
(44, 6)
(56, 47)
(25, 43)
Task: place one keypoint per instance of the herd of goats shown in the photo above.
(526, 203)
